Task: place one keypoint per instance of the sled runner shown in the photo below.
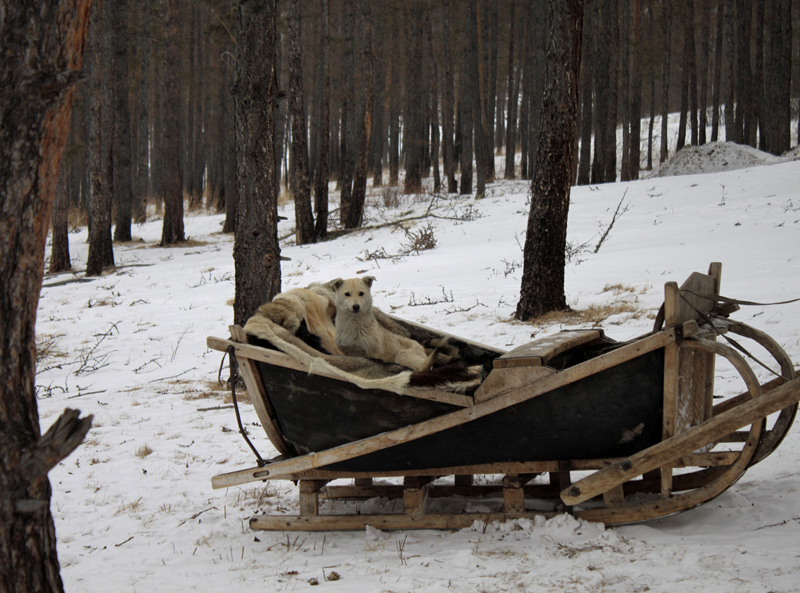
(617, 432)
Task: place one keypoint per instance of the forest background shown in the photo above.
(399, 91)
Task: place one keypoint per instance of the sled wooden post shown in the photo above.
(513, 494)
(671, 297)
(309, 496)
(415, 494)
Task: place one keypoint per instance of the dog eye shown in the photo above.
(360, 294)
(347, 294)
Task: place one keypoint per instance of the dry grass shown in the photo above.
(624, 303)
(213, 390)
(143, 451)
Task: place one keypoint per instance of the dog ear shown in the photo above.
(335, 284)
(368, 280)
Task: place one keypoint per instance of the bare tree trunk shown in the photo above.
(301, 188)
(59, 250)
(347, 140)
(101, 142)
(585, 155)
(172, 182)
(778, 76)
(636, 93)
(356, 213)
(513, 99)
(703, 18)
(123, 191)
(542, 287)
(323, 171)
(256, 251)
(476, 75)
(717, 74)
(666, 77)
(448, 109)
(35, 103)
(414, 123)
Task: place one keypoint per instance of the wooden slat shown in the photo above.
(255, 389)
(671, 377)
(683, 444)
(544, 349)
(385, 522)
(440, 423)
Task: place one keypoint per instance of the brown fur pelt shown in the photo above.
(278, 321)
(312, 306)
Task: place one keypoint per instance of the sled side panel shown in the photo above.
(610, 414)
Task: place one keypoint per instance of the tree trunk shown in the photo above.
(417, 90)
(123, 191)
(513, 98)
(301, 188)
(542, 287)
(717, 74)
(636, 93)
(323, 170)
(625, 90)
(448, 112)
(475, 74)
(59, 250)
(778, 76)
(172, 181)
(356, 213)
(743, 73)
(101, 136)
(35, 103)
(347, 140)
(256, 252)
(703, 18)
(666, 77)
(585, 155)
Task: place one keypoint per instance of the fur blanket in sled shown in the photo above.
(297, 318)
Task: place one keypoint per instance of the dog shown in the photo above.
(314, 305)
(360, 333)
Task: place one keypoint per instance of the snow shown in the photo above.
(134, 508)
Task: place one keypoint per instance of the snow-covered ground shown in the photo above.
(134, 508)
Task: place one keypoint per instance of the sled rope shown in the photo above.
(233, 377)
(730, 340)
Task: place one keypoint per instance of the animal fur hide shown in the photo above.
(363, 372)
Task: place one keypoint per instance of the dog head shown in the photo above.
(353, 295)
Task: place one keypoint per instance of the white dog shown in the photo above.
(359, 333)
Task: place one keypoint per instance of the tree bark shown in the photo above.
(513, 99)
(778, 76)
(585, 122)
(416, 88)
(35, 103)
(448, 152)
(636, 93)
(323, 170)
(123, 191)
(716, 93)
(347, 139)
(101, 137)
(256, 251)
(542, 287)
(59, 250)
(301, 188)
(172, 180)
(666, 77)
(356, 213)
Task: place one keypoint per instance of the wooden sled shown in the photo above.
(576, 422)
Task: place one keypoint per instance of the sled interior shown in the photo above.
(633, 424)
